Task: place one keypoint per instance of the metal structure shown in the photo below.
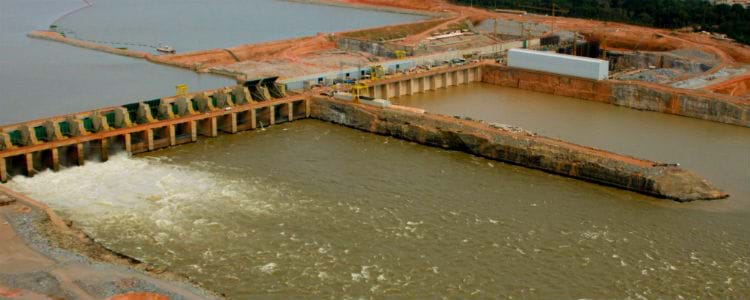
(181, 89)
(359, 89)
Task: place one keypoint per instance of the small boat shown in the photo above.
(166, 49)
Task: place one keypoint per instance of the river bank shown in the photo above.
(43, 255)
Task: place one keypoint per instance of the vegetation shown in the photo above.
(733, 21)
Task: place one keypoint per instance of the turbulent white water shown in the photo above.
(125, 185)
(145, 200)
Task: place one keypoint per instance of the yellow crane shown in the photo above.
(181, 89)
(359, 89)
(376, 72)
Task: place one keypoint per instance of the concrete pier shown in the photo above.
(520, 148)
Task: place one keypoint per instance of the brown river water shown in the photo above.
(314, 210)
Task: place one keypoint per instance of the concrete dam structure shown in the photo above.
(145, 126)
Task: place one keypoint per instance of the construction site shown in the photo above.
(354, 78)
(691, 61)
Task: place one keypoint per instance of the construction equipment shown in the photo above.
(399, 54)
(359, 89)
(376, 72)
(181, 89)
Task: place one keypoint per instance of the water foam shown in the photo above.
(149, 194)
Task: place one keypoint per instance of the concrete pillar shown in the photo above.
(290, 110)
(410, 87)
(5, 143)
(79, 154)
(100, 122)
(223, 100)
(165, 111)
(53, 131)
(205, 104)
(148, 135)
(122, 118)
(184, 107)
(209, 127)
(307, 108)
(28, 136)
(390, 90)
(54, 159)
(144, 114)
(272, 115)
(28, 163)
(127, 143)
(281, 88)
(3, 170)
(466, 75)
(76, 127)
(193, 131)
(264, 93)
(241, 95)
(444, 80)
(104, 149)
(433, 82)
(398, 88)
(230, 123)
(172, 133)
(376, 92)
(253, 119)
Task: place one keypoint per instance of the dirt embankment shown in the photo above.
(520, 148)
(291, 49)
(739, 86)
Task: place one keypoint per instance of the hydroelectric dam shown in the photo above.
(30, 147)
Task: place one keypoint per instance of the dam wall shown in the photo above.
(70, 140)
(419, 82)
(638, 95)
(519, 148)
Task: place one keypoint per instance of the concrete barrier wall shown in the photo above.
(638, 95)
(520, 148)
(562, 64)
(548, 83)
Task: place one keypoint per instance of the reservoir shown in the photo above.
(204, 24)
(42, 79)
